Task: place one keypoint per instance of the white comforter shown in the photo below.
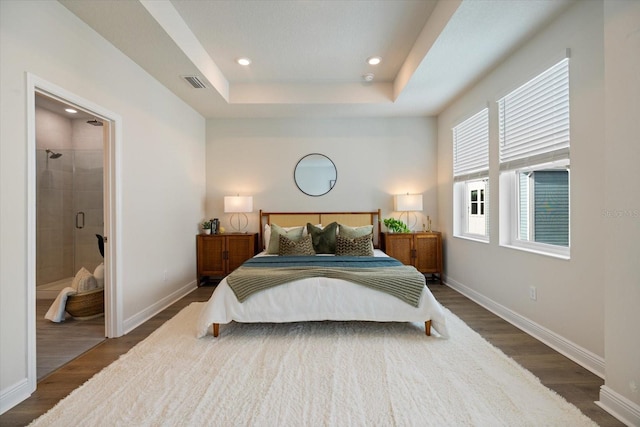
(318, 299)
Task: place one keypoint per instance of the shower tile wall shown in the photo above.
(54, 243)
(66, 185)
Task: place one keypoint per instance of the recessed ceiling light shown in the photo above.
(368, 77)
(374, 60)
(70, 110)
(243, 61)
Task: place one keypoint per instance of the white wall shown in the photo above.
(375, 159)
(621, 213)
(162, 168)
(569, 306)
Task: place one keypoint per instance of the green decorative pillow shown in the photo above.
(353, 232)
(360, 246)
(294, 234)
(301, 247)
(324, 239)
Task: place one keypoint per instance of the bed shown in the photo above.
(339, 286)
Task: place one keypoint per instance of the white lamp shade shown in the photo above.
(408, 202)
(238, 204)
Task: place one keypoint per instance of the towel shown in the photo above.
(56, 311)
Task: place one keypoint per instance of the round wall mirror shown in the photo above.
(315, 174)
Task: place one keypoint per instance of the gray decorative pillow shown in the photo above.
(360, 246)
(300, 247)
(294, 234)
(324, 239)
(353, 232)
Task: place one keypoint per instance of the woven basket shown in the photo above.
(86, 305)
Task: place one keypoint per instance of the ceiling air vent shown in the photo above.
(195, 82)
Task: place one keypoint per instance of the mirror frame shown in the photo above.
(332, 182)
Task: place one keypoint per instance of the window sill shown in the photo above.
(538, 251)
(473, 238)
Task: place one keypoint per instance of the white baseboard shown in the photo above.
(580, 355)
(11, 396)
(619, 406)
(138, 319)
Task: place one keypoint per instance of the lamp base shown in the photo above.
(410, 225)
(240, 228)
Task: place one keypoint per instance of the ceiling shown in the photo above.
(309, 56)
(59, 107)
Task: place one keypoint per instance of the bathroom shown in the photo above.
(69, 210)
(69, 190)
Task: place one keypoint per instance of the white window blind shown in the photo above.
(471, 147)
(534, 120)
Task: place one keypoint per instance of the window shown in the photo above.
(475, 218)
(471, 177)
(544, 207)
(477, 199)
(534, 163)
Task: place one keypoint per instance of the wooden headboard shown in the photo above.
(294, 219)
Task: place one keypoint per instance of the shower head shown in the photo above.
(94, 122)
(53, 155)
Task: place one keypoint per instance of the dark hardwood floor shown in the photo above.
(574, 383)
(59, 343)
(570, 380)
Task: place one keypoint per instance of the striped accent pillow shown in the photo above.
(303, 246)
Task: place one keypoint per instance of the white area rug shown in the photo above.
(313, 374)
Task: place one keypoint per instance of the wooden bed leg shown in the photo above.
(427, 328)
(216, 329)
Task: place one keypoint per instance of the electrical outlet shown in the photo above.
(165, 275)
(533, 293)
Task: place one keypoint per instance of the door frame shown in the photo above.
(112, 211)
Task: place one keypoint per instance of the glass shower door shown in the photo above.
(88, 205)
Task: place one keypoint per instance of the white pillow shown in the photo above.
(98, 273)
(84, 281)
(266, 236)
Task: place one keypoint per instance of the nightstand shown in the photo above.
(220, 254)
(423, 250)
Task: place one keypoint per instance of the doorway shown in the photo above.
(111, 325)
(69, 225)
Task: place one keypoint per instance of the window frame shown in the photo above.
(462, 210)
(510, 207)
(534, 135)
(470, 165)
